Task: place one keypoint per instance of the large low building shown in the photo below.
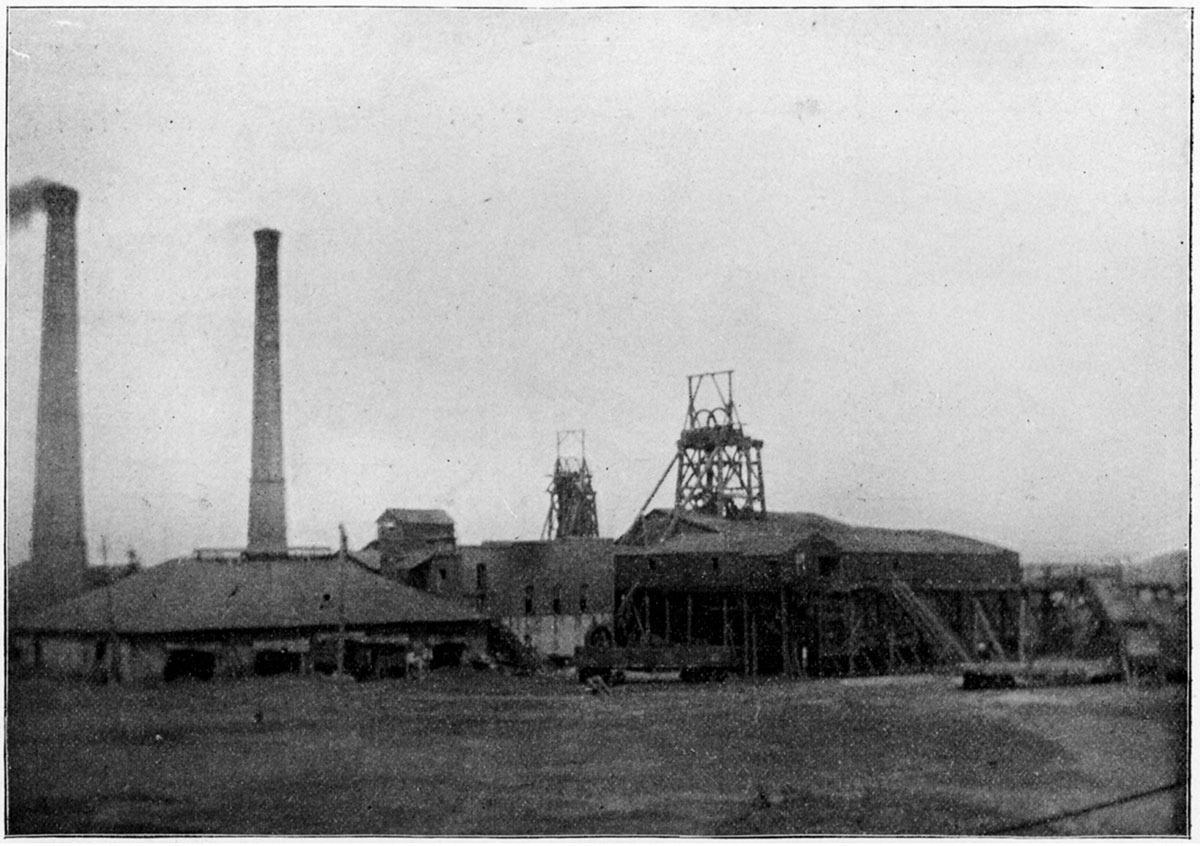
(801, 593)
(225, 615)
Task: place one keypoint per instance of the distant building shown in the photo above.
(227, 616)
(416, 547)
(552, 594)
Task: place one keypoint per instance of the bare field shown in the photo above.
(477, 753)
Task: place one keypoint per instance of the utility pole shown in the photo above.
(114, 661)
(341, 642)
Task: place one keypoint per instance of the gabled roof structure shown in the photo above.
(416, 515)
(777, 533)
(198, 595)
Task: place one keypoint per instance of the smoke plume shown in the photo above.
(24, 200)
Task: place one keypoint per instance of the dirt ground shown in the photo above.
(466, 753)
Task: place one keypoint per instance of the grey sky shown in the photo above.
(945, 252)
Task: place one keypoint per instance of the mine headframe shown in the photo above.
(719, 468)
(572, 499)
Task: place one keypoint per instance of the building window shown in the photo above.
(827, 565)
(528, 599)
(716, 566)
(583, 592)
(442, 575)
(481, 578)
(653, 565)
(556, 603)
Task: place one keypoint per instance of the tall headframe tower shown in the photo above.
(719, 468)
(572, 499)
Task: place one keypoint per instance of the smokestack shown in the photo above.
(268, 520)
(59, 550)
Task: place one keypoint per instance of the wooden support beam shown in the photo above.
(745, 633)
(984, 630)
(754, 643)
(1021, 624)
(785, 640)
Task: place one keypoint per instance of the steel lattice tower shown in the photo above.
(572, 499)
(719, 468)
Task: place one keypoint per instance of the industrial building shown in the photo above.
(555, 593)
(552, 594)
(416, 547)
(782, 592)
(219, 613)
(265, 609)
(798, 593)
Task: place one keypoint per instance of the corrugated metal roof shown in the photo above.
(777, 533)
(187, 595)
(417, 515)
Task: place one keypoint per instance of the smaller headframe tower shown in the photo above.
(572, 499)
(719, 468)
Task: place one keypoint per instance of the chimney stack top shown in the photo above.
(60, 200)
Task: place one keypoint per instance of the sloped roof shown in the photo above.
(188, 595)
(370, 557)
(778, 532)
(417, 515)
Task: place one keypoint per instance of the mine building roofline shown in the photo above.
(416, 515)
(190, 595)
(778, 531)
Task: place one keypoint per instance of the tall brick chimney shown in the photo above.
(268, 518)
(59, 552)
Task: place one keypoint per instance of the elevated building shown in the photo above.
(798, 593)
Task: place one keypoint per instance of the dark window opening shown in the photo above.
(583, 598)
(447, 655)
(653, 565)
(556, 603)
(275, 662)
(189, 664)
(481, 578)
(528, 599)
(716, 566)
(827, 565)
